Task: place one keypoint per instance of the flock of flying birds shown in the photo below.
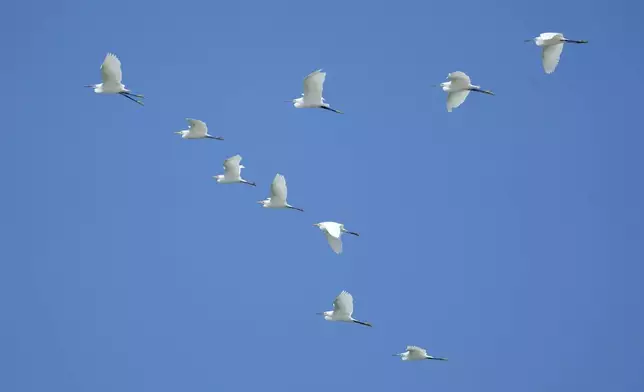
(457, 87)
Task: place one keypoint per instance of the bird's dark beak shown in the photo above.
(89, 85)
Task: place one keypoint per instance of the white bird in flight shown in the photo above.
(415, 353)
(342, 310)
(277, 199)
(198, 130)
(312, 96)
(232, 172)
(333, 231)
(552, 44)
(458, 88)
(112, 76)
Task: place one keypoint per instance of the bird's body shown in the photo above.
(197, 130)
(552, 46)
(415, 353)
(279, 192)
(312, 96)
(112, 78)
(343, 310)
(333, 231)
(232, 172)
(458, 87)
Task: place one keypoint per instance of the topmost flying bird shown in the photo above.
(112, 76)
(312, 96)
(552, 44)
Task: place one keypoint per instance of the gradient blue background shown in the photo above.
(506, 235)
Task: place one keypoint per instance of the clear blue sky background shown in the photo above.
(506, 235)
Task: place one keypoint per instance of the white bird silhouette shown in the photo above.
(112, 76)
(197, 130)
(458, 88)
(232, 172)
(278, 195)
(342, 310)
(333, 231)
(415, 353)
(552, 44)
(312, 96)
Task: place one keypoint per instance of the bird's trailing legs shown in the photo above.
(129, 96)
(331, 109)
(295, 208)
(248, 183)
(478, 90)
(214, 137)
(436, 358)
(575, 41)
(363, 323)
(352, 233)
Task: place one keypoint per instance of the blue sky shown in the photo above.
(506, 235)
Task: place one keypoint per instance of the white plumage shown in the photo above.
(197, 129)
(279, 192)
(552, 45)
(112, 77)
(458, 88)
(342, 310)
(312, 96)
(333, 231)
(232, 172)
(415, 353)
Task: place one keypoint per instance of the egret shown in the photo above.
(112, 76)
(312, 96)
(458, 88)
(342, 310)
(278, 195)
(552, 44)
(415, 353)
(232, 172)
(333, 231)
(198, 130)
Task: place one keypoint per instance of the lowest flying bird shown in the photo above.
(342, 310)
(333, 231)
(552, 44)
(415, 353)
(232, 172)
(312, 96)
(277, 199)
(112, 76)
(458, 88)
(197, 130)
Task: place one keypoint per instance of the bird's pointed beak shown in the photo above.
(178, 133)
(320, 314)
(89, 85)
(260, 201)
(527, 40)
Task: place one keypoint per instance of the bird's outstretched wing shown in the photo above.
(334, 242)
(550, 56)
(232, 167)
(333, 228)
(313, 85)
(278, 189)
(455, 99)
(198, 128)
(416, 350)
(459, 79)
(111, 69)
(343, 304)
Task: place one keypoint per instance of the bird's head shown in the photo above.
(263, 202)
(319, 225)
(218, 177)
(181, 133)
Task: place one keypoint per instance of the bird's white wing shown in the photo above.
(111, 69)
(549, 36)
(416, 350)
(232, 167)
(550, 56)
(459, 79)
(343, 304)
(278, 189)
(334, 242)
(332, 228)
(455, 99)
(313, 85)
(197, 127)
